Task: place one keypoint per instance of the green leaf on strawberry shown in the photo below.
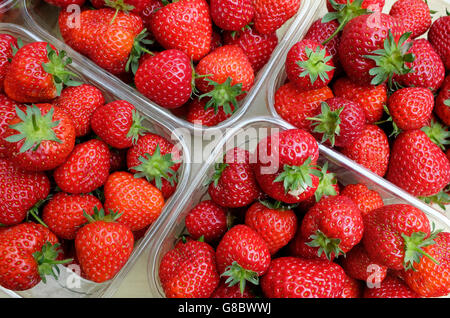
(327, 183)
(316, 65)
(414, 245)
(136, 129)
(327, 123)
(438, 134)
(237, 274)
(137, 51)
(223, 95)
(447, 102)
(329, 246)
(441, 199)
(46, 260)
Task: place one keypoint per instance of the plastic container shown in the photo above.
(6, 5)
(258, 128)
(43, 19)
(278, 76)
(10, 6)
(66, 286)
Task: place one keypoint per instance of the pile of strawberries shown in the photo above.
(197, 58)
(278, 225)
(363, 82)
(81, 178)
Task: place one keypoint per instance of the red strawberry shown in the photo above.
(199, 114)
(390, 287)
(207, 220)
(442, 108)
(438, 39)
(6, 53)
(292, 277)
(19, 191)
(135, 6)
(374, 5)
(366, 199)
(65, 3)
(352, 288)
(225, 291)
(358, 265)
(192, 32)
(189, 271)
(39, 137)
(63, 213)
(86, 168)
(309, 65)
(216, 40)
(295, 106)
(7, 112)
(414, 15)
(80, 102)
(118, 124)
(270, 15)
(231, 15)
(103, 246)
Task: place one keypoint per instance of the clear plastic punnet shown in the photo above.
(70, 284)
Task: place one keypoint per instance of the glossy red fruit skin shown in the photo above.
(366, 199)
(165, 78)
(231, 15)
(189, 271)
(64, 213)
(85, 169)
(270, 15)
(7, 112)
(80, 102)
(199, 116)
(6, 41)
(374, 5)
(390, 287)
(414, 15)
(224, 291)
(418, 165)
(293, 277)
(439, 40)
(441, 110)
(358, 265)
(20, 190)
(370, 150)
(206, 219)
(352, 288)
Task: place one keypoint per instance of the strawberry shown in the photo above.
(309, 65)
(37, 73)
(63, 213)
(118, 159)
(231, 15)
(65, 3)
(366, 199)
(270, 15)
(439, 40)
(352, 288)
(199, 114)
(234, 184)
(166, 78)
(139, 202)
(158, 160)
(442, 107)
(429, 279)
(295, 106)
(418, 165)
(286, 165)
(390, 287)
(39, 137)
(20, 191)
(371, 98)
(189, 271)
(293, 277)
(299, 247)
(414, 15)
(374, 5)
(192, 32)
(118, 124)
(275, 223)
(8, 112)
(323, 225)
(135, 6)
(242, 255)
(80, 102)
(207, 220)
(85, 169)
(103, 246)
(7, 42)
(216, 40)
(224, 291)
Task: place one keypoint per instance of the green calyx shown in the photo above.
(34, 128)
(156, 167)
(438, 134)
(447, 102)
(136, 128)
(14, 48)
(137, 51)
(237, 274)
(223, 95)
(391, 59)
(414, 245)
(57, 67)
(395, 130)
(99, 215)
(46, 260)
(327, 123)
(327, 183)
(277, 205)
(441, 198)
(218, 169)
(316, 65)
(326, 245)
(119, 5)
(34, 211)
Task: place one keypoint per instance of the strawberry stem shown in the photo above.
(223, 95)
(137, 51)
(46, 260)
(326, 245)
(414, 245)
(327, 123)
(237, 274)
(327, 181)
(438, 134)
(136, 128)
(316, 65)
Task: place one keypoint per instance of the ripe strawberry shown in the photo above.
(234, 184)
(231, 15)
(192, 32)
(340, 123)
(371, 98)
(63, 213)
(418, 165)
(103, 246)
(366, 199)
(352, 288)
(40, 137)
(270, 15)
(429, 279)
(295, 106)
(7, 42)
(85, 169)
(37, 73)
(299, 247)
(118, 124)
(166, 78)
(189, 271)
(207, 220)
(7, 112)
(139, 202)
(371, 150)
(286, 165)
(442, 107)
(257, 47)
(20, 190)
(199, 114)
(225, 291)
(80, 102)
(438, 39)
(374, 5)
(414, 15)
(323, 225)
(65, 3)
(390, 287)
(293, 277)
